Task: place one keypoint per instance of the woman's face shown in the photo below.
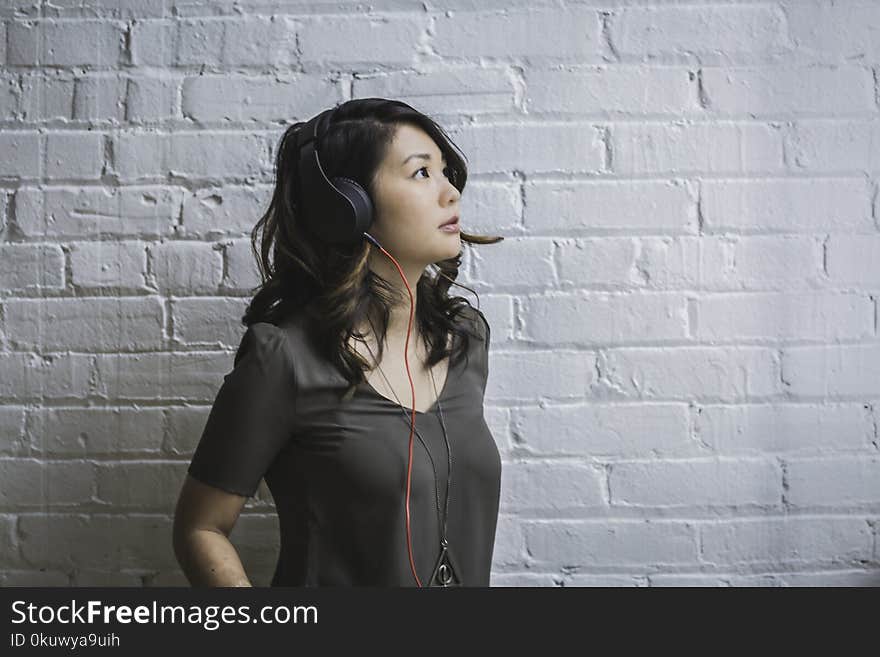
(412, 198)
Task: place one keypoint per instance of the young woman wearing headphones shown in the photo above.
(357, 388)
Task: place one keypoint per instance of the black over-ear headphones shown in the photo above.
(337, 211)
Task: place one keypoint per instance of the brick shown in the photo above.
(784, 427)
(116, 9)
(853, 259)
(604, 430)
(834, 32)
(153, 42)
(559, 374)
(10, 97)
(632, 206)
(248, 98)
(135, 210)
(151, 486)
(716, 580)
(5, 219)
(696, 483)
(74, 155)
(516, 580)
(390, 40)
(22, 43)
(260, 41)
(555, 487)
(66, 43)
(442, 92)
(541, 147)
(786, 540)
(831, 370)
(833, 481)
(835, 577)
(835, 144)
(636, 89)
(199, 42)
(195, 376)
(614, 319)
(100, 97)
(47, 96)
(490, 208)
(241, 266)
(790, 205)
(97, 431)
(683, 147)
(691, 372)
(152, 99)
(31, 267)
(742, 262)
(86, 323)
(25, 376)
(109, 264)
(196, 155)
(789, 90)
(12, 423)
(95, 542)
(209, 321)
(610, 542)
(8, 547)
(186, 266)
(526, 259)
(46, 485)
(709, 34)
(184, 429)
(22, 151)
(40, 577)
(574, 579)
(782, 316)
(576, 34)
(215, 211)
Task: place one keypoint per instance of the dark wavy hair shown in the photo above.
(332, 283)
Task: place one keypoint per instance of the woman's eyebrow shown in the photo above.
(423, 156)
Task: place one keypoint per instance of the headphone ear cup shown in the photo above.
(361, 204)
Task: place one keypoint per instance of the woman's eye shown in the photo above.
(446, 172)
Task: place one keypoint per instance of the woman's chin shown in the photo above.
(451, 252)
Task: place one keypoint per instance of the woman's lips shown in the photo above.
(450, 226)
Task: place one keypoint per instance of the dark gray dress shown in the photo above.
(337, 469)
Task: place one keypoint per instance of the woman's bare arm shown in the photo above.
(203, 520)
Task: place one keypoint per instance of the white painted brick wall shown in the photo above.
(685, 360)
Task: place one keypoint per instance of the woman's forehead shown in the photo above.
(410, 140)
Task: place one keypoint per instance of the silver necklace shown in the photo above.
(445, 573)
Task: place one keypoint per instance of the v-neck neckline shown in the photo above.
(433, 407)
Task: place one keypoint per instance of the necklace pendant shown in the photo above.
(445, 572)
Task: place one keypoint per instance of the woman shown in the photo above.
(316, 401)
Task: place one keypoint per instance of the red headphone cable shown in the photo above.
(413, 409)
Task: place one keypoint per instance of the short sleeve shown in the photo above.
(487, 336)
(251, 418)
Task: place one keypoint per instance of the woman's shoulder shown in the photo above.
(474, 321)
(258, 338)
